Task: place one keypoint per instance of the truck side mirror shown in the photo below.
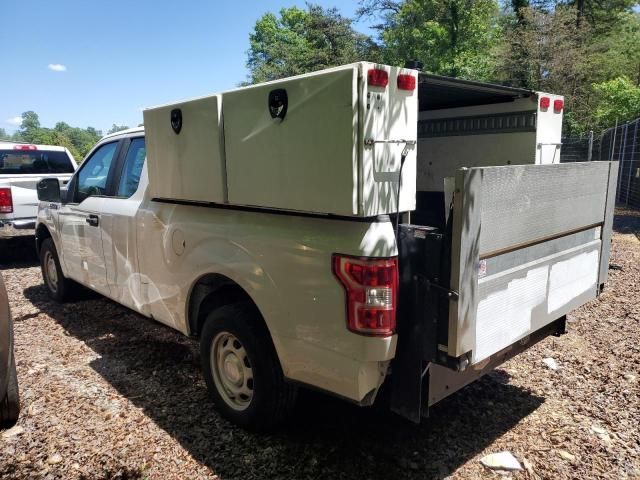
(49, 190)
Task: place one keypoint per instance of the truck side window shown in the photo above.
(132, 168)
(93, 175)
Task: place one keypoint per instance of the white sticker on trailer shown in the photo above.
(505, 316)
(572, 277)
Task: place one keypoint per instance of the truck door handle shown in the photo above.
(92, 220)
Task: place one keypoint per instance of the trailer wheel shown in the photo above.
(242, 370)
(58, 286)
(10, 404)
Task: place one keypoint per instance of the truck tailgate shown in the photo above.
(529, 244)
(24, 194)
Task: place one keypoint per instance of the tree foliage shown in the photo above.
(117, 128)
(298, 41)
(569, 48)
(450, 37)
(544, 51)
(79, 141)
(617, 100)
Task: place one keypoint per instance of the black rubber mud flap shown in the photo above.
(422, 304)
(406, 374)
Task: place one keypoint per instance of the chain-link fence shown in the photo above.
(620, 143)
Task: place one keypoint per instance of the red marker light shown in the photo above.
(378, 77)
(558, 105)
(406, 82)
(25, 147)
(544, 103)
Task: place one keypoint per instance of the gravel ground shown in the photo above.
(109, 394)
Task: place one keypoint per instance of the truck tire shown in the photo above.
(59, 288)
(241, 368)
(10, 404)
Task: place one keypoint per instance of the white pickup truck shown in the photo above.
(22, 166)
(264, 221)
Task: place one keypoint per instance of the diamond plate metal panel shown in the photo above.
(528, 246)
(523, 204)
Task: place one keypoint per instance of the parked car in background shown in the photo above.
(21, 168)
(9, 398)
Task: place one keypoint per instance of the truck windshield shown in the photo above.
(20, 162)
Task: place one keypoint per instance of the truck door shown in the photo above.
(118, 219)
(81, 232)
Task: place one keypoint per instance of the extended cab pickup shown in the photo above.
(22, 166)
(264, 221)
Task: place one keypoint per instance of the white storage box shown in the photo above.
(328, 142)
(189, 164)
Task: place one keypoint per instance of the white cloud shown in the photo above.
(57, 67)
(15, 121)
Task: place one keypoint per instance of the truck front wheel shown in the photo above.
(58, 287)
(242, 370)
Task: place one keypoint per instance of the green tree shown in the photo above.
(4, 135)
(116, 128)
(30, 126)
(617, 54)
(298, 41)
(450, 37)
(546, 51)
(79, 141)
(618, 100)
(600, 14)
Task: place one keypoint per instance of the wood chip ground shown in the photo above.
(107, 393)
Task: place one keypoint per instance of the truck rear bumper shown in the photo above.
(355, 378)
(411, 398)
(443, 381)
(20, 227)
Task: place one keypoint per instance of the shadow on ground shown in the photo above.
(158, 370)
(18, 253)
(627, 221)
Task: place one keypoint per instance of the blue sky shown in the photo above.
(97, 63)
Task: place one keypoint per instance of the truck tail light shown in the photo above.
(544, 103)
(378, 77)
(558, 105)
(25, 147)
(6, 201)
(406, 82)
(371, 287)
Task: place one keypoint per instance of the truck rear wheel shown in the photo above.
(58, 287)
(10, 404)
(242, 370)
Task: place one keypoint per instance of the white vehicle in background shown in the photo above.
(22, 166)
(353, 227)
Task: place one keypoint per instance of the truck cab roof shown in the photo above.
(128, 131)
